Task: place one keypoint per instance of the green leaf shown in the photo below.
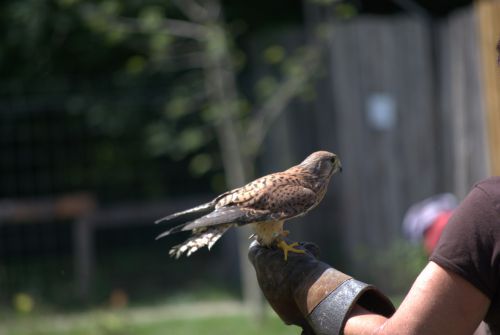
(191, 139)
(216, 41)
(292, 69)
(97, 22)
(176, 107)
(67, 3)
(210, 114)
(266, 86)
(110, 7)
(150, 18)
(116, 34)
(200, 164)
(159, 42)
(345, 10)
(274, 54)
(135, 65)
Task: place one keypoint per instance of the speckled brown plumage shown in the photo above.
(265, 203)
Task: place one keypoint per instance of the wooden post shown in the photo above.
(488, 19)
(83, 255)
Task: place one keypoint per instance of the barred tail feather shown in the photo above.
(221, 216)
(189, 214)
(199, 239)
(171, 231)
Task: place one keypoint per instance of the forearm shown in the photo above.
(363, 322)
(439, 302)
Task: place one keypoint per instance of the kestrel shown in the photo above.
(265, 203)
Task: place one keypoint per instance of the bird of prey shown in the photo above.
(265, 203)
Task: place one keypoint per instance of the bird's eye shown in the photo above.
(333, 159)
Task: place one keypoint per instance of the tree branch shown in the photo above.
(193, 11)
(178, 28)
(276, 104)
(194, 60)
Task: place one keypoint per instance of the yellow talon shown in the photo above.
(289, 248)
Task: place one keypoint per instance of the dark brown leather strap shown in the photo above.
(330, 315)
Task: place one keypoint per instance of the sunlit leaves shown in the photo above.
(274, 54)
(97, 21)
(135, 65)
(116, 34)
(110, 7)
(67, 3)
(345, 10)
(177, 107)
(291, 67)
(23, 303)
(216, 41)
(190, 139)
(265, 87)
(150, 18)
(159, 42)
(210, 114)
(157, 61)
(200, 164)
(164, 139)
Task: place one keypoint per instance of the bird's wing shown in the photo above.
(273, 197)
(286, 201)
(277, 196)
(229, 198)
(212, 212)
(251, 191)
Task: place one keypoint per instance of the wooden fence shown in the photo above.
(488, 23)
(402, 106)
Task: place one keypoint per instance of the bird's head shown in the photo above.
(322, 164)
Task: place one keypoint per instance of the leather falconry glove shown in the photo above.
(311, 294)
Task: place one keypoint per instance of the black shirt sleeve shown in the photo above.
(470, 243)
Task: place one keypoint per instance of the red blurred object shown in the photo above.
(433, 233)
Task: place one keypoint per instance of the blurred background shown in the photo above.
(116, 113)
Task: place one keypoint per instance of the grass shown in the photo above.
(206, 318)
(217, 326)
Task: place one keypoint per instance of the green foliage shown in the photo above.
(394, 268)
(265, 87)
(150, 18)
(134, 74)
(274, 54)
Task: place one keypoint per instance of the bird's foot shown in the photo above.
(289, 248)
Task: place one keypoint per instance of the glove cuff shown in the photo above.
(330, 315)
